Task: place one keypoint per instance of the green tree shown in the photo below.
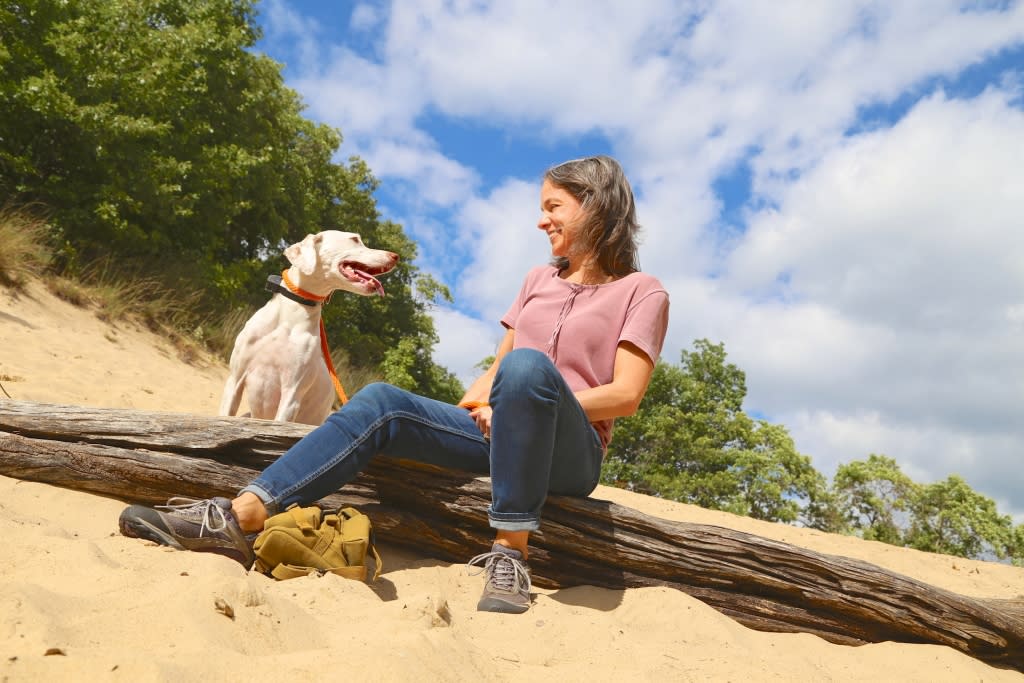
(150, 126)
(824, 510)
(691, 441)
(1016, 548)
(153, 131)
(879, 502)
(407, 366)
(952, 518)
(875, 494)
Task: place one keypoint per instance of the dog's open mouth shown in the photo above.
(362, 274)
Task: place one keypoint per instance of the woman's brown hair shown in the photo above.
(609, 231)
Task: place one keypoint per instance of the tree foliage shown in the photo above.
(150, 126)
(952, 518)
(884, 504)
(875, 494)
(154, 132)
(691, 441)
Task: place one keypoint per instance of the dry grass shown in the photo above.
(170, 313)
(121, 298)
(115, 296)
(353, 378)
(69, 290)
(23, 234)
(220, 338)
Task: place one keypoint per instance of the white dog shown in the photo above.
(277, 359)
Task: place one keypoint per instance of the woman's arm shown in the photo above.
(621, 397)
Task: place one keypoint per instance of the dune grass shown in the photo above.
(114, 296)
(220, 337)
(23, 234)
(119, 297)
(353, 377)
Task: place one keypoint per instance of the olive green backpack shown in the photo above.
(308, 540)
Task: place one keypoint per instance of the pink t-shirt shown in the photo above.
(579, 327)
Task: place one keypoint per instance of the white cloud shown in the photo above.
(284, 25)
(465, 341)
(501, 230)
(792, 79)
(365, 17)
(365, 99)
(892, 271)
(926, 209)
(927, 453)
(559, 63)
(440, 181)
(674, 211)
(694, 80)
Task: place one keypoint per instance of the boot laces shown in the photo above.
(505, 573)
(210, 515)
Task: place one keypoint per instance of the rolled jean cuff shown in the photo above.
(513, 521)
(268, 500)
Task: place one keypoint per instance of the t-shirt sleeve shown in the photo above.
(512, 315)
(647, 323)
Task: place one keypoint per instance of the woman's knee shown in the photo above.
(525, 368)
(379, 395)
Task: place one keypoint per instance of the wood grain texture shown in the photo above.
(767, 585)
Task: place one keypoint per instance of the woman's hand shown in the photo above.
(482, 417)
(475, 399)
(621, 397)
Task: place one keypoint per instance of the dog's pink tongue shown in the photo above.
(372, 281)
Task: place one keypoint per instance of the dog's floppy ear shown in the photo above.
(303, 254)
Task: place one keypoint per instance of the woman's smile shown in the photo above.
(560, 217)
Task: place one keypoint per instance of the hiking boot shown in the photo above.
(508, 581)
(187, 524)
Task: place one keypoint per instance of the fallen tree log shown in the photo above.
(764, 584)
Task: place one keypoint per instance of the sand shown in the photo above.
(80, 602)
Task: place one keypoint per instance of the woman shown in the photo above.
(580, 345)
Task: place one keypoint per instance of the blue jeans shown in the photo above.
(541, 442)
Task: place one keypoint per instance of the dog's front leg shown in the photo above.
(308, 397)
(290, 404)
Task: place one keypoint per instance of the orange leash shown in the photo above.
(324, 348)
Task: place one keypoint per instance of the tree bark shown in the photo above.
(766, 585)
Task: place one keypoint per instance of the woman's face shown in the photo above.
(561, 217)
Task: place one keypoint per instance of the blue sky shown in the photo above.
(833, 190)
